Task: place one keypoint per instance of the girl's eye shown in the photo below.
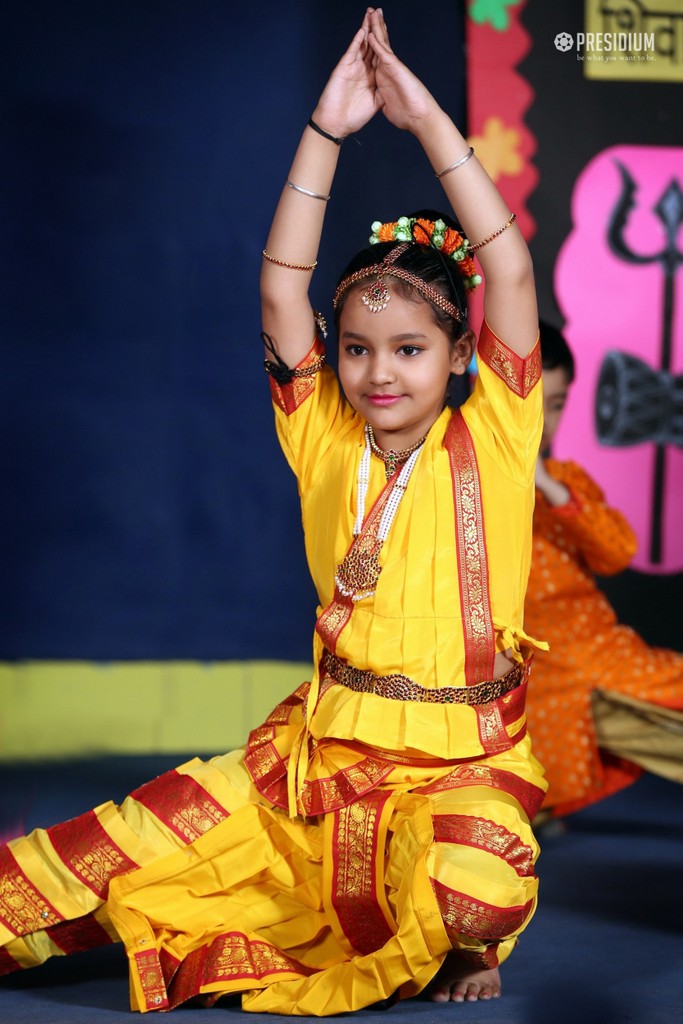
(355, 350)
(410, 350)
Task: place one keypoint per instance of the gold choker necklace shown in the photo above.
(392, 458)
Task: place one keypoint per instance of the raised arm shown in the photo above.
(603, 537)
(510, 295)
(347, 103)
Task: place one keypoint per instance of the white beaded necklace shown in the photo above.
(397, 492)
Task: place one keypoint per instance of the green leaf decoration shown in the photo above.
(492, 12)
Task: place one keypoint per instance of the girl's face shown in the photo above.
(394, 366)
(555, 392)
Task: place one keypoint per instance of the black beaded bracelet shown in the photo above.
(321, 131)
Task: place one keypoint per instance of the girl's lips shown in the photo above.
(383, 399)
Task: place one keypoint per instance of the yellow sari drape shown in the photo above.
(309, 917)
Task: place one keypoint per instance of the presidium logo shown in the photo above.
(608, 46)
(628, 39)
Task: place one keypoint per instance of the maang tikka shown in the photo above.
(376, 296)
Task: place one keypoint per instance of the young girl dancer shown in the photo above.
(372, 841)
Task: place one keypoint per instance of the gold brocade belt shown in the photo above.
(398, 687)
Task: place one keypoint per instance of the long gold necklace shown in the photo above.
(391, 458)
(358, 572)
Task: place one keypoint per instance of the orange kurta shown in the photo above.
(589, 649)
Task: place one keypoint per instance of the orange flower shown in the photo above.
(468, 267)
(386, 232)
(452, 240)
(421, 237)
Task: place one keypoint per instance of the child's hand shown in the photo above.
(404, 100)
(553, 490)
(349, 100)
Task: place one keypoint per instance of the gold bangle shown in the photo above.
(478, 245)
(458, 163)
(290, 266)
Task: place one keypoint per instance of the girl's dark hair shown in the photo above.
(426, 262)
(555, 352)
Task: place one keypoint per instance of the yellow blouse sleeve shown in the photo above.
(505, 411)
(310, 412)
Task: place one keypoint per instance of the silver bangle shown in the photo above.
(306, 191)
(458, 163)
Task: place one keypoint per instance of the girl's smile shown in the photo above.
(384, 400)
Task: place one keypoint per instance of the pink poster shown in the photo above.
(619, 284)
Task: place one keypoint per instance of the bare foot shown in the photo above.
(457, 981)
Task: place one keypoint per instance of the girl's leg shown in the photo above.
(54, 882)
(481, 868)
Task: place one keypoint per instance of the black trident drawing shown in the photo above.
(634, 402)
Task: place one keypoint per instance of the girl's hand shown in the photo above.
(349, 100)
(404, 100)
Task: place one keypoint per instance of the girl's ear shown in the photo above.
(463, 350)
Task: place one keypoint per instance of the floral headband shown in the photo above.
(429, 233)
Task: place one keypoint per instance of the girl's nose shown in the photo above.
(381, 370)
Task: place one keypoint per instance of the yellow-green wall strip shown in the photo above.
(61, 709)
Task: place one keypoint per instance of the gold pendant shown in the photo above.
(357, 574)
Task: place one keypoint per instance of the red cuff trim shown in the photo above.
(289, 397)
(520, 375)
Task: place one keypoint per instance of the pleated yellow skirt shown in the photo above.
(214, 889)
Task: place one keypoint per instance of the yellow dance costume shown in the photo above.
(380, 816)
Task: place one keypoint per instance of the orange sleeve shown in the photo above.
(606, 541)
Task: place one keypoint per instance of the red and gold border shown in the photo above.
(467, 830)
(465, 916)
(234, 960)
(89, 852)
(357, 855)
(289, 397)
(520, 375)
(23, 908)
(182, 804)
(151, 979)
(471, 551)
(341, 789)
(78, 935)
(267, 766)
(528, 796)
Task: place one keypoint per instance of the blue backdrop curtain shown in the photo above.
(146, 511)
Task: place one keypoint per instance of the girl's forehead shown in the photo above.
(400, 315)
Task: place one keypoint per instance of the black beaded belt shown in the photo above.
(398, 687)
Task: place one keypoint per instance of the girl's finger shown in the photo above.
(382, 52)
(356, 44)
(380, 29)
